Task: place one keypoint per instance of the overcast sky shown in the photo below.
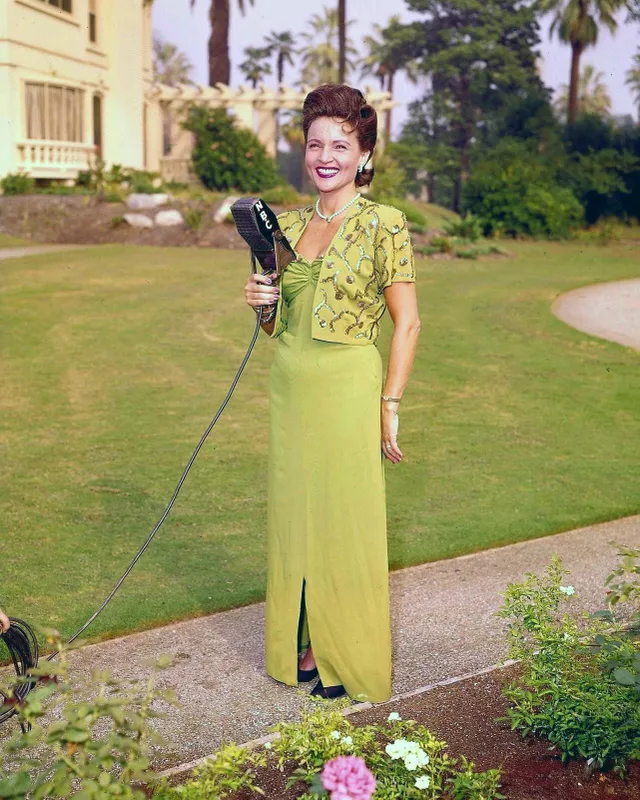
(190, 31)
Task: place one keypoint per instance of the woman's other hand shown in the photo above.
(259, 290)
(389, 427)
(5, 624)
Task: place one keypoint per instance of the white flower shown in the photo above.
(422, 782)
(411, 761)
(397, 749)
(335, 735)
(567, 590)
(347, 740)
(394, 716)
(267, 745)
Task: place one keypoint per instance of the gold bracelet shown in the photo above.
(389, 399)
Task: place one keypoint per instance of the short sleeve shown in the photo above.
(394, 259)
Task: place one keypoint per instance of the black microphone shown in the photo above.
(258, 226)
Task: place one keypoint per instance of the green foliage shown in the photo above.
(514, 189)
(569, 692)
(469, 227)
(226, 156)
(16, 183)
(471, 785)
(231, 769)
(98, 746)
(193, 218)
(389, 180)
(141, 182)
(117, 221)
(283, 195)
(411, 211)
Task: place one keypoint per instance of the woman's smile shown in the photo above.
(327, 172)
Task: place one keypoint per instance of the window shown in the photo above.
(54, 112)
(65, 5)
(93, 21)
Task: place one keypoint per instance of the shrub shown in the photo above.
(117, 221)
(17, 183)
(193, 218)
(469, 227)
(226, 156)
(284, 195)
(576, 689)
(402, 755)
(72, 754)
(515, 190)
(389, 180)
(141, 182)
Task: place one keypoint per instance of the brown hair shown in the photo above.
(343, 102)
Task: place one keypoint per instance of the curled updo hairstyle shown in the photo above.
(340, 101)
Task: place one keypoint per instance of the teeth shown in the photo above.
(328, 171)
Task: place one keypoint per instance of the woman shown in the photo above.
(329, 413)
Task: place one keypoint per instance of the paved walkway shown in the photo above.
(37, 250)
(608, 310)
(443, 626)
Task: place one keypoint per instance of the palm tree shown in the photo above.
(282, 46)
(170, 66)
(321, 61)
(593, 95)
(385, 58)
(342, 40)
(219, 63)
(577, 24)
(633, 80)
(256, 66)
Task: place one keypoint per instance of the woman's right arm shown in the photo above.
(259, 291)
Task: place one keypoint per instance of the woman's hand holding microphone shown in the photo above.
(260, 291)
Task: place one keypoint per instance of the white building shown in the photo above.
(73, 75)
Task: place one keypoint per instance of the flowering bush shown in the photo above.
(577, 688)
(347, 778)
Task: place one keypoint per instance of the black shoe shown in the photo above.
(328, 692)
(305, 675)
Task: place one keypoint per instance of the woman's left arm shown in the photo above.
(402, 303)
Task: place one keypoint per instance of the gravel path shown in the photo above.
(608, 310)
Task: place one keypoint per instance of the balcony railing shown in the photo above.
(49, 159)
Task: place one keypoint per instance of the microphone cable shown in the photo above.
(21, 640)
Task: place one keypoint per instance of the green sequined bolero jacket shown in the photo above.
(371, 250)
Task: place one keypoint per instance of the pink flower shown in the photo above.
(347, 778)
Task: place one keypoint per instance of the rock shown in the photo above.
(169, 217)
(224, 208)
(138, 220)
(161, 199)
(138, 202)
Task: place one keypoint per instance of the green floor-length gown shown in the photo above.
(326, 514)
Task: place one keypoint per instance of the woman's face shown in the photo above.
(332, 154)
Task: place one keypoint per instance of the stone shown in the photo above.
(138, 220)
(224, 208)
(161, 199)
(166, 219)
(138, 202)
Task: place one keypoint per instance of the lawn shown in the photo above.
(114, 360)
(11, 241)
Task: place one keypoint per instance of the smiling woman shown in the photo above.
(329, 429)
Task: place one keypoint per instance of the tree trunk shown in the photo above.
(219, 64)
(387, 129)
(574, 81)
(342, 40)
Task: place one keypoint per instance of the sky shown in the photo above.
(190, 32)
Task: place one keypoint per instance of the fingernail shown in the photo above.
(269, 280)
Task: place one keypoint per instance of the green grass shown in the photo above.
(11, 241)
(114, 360)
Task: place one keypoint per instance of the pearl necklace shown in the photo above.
(329, 217)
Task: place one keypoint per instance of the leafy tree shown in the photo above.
(576, 22)
(256, 66)
(321, 58)
(170, 66)
(476, 54)
(226, 156)
(219, 17)
(633, 80)
(385, 58)
(593, 95)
